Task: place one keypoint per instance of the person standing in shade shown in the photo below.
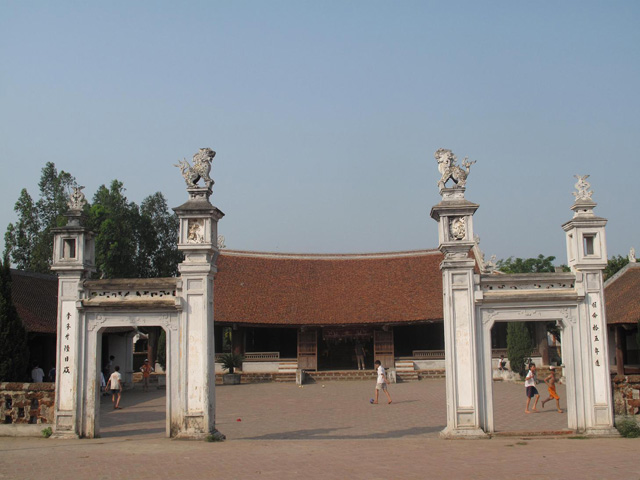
(146, 370)
(37, 374)
(381, 383)
(530, 386)
(115, 385)
(360, 355)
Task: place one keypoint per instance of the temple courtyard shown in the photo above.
(282, 431)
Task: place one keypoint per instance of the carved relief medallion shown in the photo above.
(196, 231)
(458, 229)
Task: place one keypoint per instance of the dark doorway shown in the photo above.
(337, 349)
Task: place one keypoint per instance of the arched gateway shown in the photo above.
(472, 304)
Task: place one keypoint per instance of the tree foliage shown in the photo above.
(131, 241)
(615, 264)
(519, 346)
(29, 242)
(14, 354)
(540, 264)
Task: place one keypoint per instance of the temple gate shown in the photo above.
(182, 306)
(473, 303)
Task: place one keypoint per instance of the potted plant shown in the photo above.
(231, 361)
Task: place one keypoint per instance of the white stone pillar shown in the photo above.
(463, 361)
(73, 261)
(587, 257)
(195, 397)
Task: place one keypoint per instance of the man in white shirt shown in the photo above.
(115, 384)
(381, 383)
(530, 386)
(37, 374)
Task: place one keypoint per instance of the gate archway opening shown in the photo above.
(508, 392)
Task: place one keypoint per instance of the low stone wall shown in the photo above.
(27, 403)
(626, 394)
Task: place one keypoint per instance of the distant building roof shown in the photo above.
(35, 296)
(622, 295)
(288, 289)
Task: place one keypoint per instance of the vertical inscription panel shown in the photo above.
(194, 350)
(599, 364)
(463, 360)
(67, 363)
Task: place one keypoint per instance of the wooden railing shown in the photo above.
(439, 354)
(261, 356)
(428, 354)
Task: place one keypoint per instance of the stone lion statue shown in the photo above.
(449, 170)
(200, 169)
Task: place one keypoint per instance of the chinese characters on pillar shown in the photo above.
(66, 348)
(595, 327)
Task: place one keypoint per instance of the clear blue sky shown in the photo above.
(326, 114)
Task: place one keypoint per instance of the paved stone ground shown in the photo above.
(287, 432)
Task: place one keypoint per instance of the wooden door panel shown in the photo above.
(383, 348)
(308, 350)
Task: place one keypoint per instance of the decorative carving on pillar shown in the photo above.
(582, 188)
(77, 200)
(450, 170)
(196, 231)
(458, 229)
(199, 170)
(221, 244)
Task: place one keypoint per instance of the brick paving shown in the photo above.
(332, 432)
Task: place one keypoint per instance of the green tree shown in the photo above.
(540, 264)
(158, 238)
(116, 223)
(14, 353)
(21, 237)
(519, 346)
(615, 264)
(29, 242)
(162, 349)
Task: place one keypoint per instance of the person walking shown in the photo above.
(115, 385)
(550, 380)
(381, 383)
(530, 386)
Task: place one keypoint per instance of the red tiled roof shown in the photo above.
(35, 297)
(287, 289)
(622, 295)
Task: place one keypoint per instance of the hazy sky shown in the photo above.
(326, 114)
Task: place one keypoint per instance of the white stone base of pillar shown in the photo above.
(464, 433)
(602, 432)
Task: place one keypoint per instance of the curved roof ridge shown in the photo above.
(329, 256)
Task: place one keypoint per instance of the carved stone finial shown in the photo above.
(77, 201)
(221, 244)
(582, 188)
(450, 171)
(632, 255)
(199, 170)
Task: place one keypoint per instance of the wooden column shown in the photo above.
(620, 347)
(237, 340)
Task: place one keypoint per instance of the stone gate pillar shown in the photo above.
(73, 261)
(587, 257)
(454, 215)
(198, 241)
